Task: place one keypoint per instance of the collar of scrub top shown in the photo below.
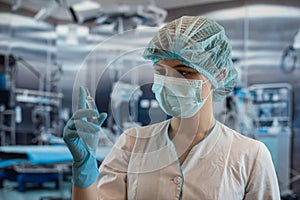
(205, 146)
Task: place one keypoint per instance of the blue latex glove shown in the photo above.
(85, 169)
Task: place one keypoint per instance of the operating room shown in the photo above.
(51, 49)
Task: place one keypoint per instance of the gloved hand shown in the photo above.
(81, 137)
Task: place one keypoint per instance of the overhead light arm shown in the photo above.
(16, 4)
(52, 6)
(46, 11)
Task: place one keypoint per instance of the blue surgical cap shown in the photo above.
(200, 43)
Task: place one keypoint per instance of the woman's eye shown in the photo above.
(183, 73)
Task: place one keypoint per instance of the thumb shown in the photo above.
(102, 117)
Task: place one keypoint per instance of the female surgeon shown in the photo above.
(191, 155)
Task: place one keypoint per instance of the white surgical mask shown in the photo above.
(178, 97)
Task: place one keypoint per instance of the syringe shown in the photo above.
(90, 104)
(88, 141)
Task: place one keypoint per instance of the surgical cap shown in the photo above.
(199, 43)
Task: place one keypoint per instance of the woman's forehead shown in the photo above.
(169, 63)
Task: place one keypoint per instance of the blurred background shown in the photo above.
(50, 47)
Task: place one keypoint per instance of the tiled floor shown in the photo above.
(35, 192)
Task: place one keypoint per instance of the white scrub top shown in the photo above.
(144, 164)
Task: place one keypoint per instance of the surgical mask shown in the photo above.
(178, 97)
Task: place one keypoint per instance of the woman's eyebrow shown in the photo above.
(180, 66)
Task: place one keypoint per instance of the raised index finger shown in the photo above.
(82, 98)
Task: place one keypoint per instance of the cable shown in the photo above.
(30, 67)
